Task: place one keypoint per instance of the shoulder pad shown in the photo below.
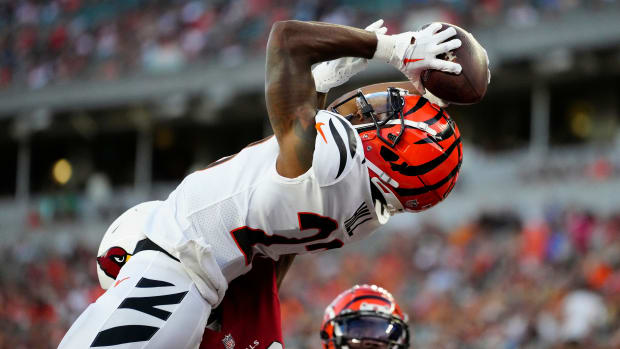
(338, 148)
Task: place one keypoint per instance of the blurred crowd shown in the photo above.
(45, 42)
(42, 292)
(496, 282)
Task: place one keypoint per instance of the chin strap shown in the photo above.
(392, 204)
(384, 176)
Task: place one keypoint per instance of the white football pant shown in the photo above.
(152, 304)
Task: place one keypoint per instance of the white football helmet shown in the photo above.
(120, 240)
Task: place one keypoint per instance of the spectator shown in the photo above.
(467, 287)
(47, 41)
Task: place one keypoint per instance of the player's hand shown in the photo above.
(413, 59)
(338, 71)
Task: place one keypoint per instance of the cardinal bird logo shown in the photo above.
(113, 260)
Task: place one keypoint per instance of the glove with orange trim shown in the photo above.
(338, 71)
(414, 58)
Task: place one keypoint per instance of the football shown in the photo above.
(470, 85)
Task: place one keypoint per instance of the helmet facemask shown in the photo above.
(383, 108)
(369, 329)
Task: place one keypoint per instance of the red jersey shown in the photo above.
(249, 315)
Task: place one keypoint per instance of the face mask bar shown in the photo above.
(394, 110)
(354, 327)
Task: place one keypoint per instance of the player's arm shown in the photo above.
(330, 74)
(292, 102)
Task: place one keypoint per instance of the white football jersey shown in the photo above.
(241, 207)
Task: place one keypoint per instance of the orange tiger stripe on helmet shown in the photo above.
(425, 162)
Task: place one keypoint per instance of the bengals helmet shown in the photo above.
(365, 316)
(413, 148)
(120, 240)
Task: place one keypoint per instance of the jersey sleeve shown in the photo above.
(337, 150)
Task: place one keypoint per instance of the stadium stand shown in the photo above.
(497, 281)
(524, 254)
(56, 41)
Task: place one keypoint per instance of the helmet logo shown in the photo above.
(113, 260)
(375, 307)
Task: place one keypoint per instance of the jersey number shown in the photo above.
(247, 237)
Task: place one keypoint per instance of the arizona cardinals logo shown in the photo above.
(113, 260)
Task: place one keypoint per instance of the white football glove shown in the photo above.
(338, 71)
(413, 59)
(444, 104)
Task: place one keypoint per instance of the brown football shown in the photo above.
(470, 85)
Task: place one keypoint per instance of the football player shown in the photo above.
(324, 180)
(365, 316)
(249, 319)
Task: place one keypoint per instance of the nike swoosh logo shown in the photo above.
(121, 280)
(318, 128)
(409, 60)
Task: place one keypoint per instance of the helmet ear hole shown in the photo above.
(324, 335)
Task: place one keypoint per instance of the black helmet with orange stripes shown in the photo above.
(413, 148)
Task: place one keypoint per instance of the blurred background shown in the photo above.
(105, 104)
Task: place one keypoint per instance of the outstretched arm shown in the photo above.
(292, 102)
